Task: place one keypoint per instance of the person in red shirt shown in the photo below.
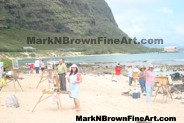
(31, 68)
(118, 70)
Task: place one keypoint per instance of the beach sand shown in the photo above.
(98, 96)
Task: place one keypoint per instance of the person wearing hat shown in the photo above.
(142, 80)
(118, 70)
(150, 81)
(62, 70)
(74, 80)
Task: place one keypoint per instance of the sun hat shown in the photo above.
(74, 65)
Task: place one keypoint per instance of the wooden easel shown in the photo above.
(44, 78)
(163, 83)
(14, 78)
(135, 76)
(50, 93)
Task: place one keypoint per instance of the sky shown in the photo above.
(155, 19)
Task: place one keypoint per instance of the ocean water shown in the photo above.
(134, 59)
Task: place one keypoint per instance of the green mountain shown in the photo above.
(20, 19)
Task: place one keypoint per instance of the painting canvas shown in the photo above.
(15, 64)
(1, 70)
(1, 67)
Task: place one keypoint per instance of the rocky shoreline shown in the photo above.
(108, 68)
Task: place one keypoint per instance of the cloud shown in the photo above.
(150, 18)
(167, 10)
(180, 30)
(132, 21)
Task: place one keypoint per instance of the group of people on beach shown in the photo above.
(39, 63)
(72, 75)
(144, 76)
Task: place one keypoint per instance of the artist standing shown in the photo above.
(150, 81)
(75, 79)
(62, 70)
(118, 70)
(37, 65)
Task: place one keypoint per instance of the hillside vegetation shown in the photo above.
(20, 19)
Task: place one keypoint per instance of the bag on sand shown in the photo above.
(12, 101)
(53, 98)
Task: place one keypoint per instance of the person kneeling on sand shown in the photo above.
(74, 80)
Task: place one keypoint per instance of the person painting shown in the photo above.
(118, 70)
(74, 80)
(62, 70)
(129, 70)
(150, 81)
(142, 80)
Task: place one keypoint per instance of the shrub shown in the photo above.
(7, 63)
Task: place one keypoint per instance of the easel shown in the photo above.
(50, 93)
(14, 78)
(47, 77)
(135, 76)
(163, 83)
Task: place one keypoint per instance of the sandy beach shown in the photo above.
(98, 96)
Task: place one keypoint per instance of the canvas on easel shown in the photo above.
(48, 75)
(14, 79)
(15, 64)
(163, 82)
(1, 70)
(14, 74)
(1, 75)
(51, 92)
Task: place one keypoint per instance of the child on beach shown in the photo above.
(74, 80)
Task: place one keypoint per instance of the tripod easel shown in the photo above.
(163, 83)
(50, 93)
(14, 78)
(44, 78)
